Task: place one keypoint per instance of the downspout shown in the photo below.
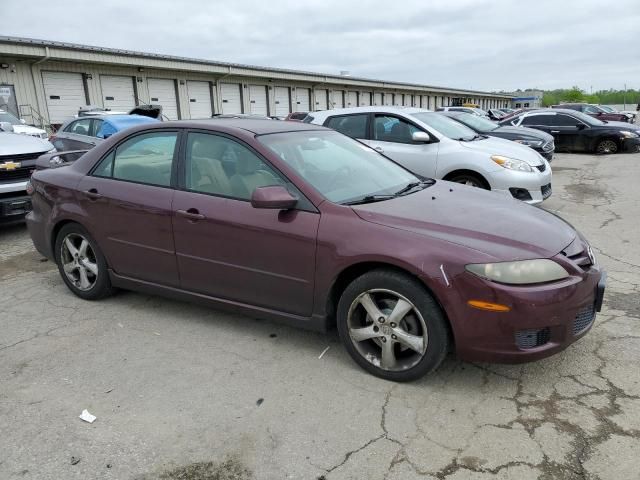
(33, 79)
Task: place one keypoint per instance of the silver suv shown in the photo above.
(432, 145)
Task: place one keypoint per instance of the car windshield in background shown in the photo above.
(477, 123)
(606, 108)
(588, 119)
(446, 126)
(7, 117)
(340, 168)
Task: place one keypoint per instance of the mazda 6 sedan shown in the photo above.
(298, 223)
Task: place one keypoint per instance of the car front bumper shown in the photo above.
(513, 184)
(543, 319)
(630, 145)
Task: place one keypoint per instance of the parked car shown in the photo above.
(20, 125)
(152, 111)
(578, 132)
(88, 131)
(496, 114)
(506, 110)
(296, 116)
(434, 146)
(18, 154)
(631, 116)
(472, 110)
(593, 111)
(254, 116)
(541, 142)
(314, 228)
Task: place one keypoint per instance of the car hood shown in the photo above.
(623, 125)
(501, 146)
(18, 144)
(502, 228)
(28, 129)
(523, 132)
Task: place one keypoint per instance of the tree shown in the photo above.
(574, 95)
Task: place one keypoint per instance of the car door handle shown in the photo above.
(379, 149)
(93, 194)
(191, 214)
(555, 131)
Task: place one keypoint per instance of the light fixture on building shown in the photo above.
(140, 69)
(4, 65)
(181, 82)
(139, 79)
(88, 76)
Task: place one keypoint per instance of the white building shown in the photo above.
(46, 82)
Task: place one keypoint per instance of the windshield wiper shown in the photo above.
(369, 199)
(412, 185)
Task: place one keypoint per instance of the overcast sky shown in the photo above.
(479, 44)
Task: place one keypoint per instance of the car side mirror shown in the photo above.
(274, 197)
(6, 127)
(420, 137)
(107, 135)
(581, 126)
(23, 121)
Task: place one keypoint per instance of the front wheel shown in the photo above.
(81, 263)
(391, 326)
(470, 180)
(607, 146)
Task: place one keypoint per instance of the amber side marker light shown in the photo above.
(491, 307)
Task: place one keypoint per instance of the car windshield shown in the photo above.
(480, 124)
(343, 170)
(606, 108)
(7, 117)
(479, 111)
(587, 118)
(446, 126)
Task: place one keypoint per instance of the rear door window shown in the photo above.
(79, 127)
(354, 126)
(387, 128)
(146, 158)
(544, 120)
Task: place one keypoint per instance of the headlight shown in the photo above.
(628, 134)
(530, 143)
(512, 163)
(521, 272)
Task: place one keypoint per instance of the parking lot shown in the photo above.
(180, 391)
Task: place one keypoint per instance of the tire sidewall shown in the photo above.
(478, 183)
(603, 140)
(102, 287)
(438, 336)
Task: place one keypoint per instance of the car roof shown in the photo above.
(256, 126)
(120, 122)
(375, 109)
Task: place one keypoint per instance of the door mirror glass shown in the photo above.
(420, 137)
(6, 126)
(275, 196)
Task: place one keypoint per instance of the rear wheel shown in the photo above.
(606, 145)
(81, 263)
(470, 180)
(391, 326)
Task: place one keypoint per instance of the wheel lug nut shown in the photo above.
(381, 320)
(394, 337)
(393, 325)
(384, 340)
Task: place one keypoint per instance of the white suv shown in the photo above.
(435, 146)
(20, 126)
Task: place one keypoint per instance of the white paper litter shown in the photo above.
(87, 417)
(323, 352)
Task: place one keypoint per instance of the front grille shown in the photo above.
(584, 319)
(542, 167)
(23, 173)
(21, 157)
(550, 145)
(546, 190)
(532, 338)
(27, 161)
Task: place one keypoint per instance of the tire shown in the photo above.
(606, 145)
(469, 180)
(423, 326)
(82, 266)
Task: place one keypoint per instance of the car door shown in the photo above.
(392, 136)
(228, 249)
(571, 132)
(127, 200)
(76, 136)
(545, 122)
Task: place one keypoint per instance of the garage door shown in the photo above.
(283, 107)
(302, 100)
(387, 99)
(320, 99)
(117, 92)
(336, 99)
(398, 99)
(162, 91)
(377, 98)
(231, 98)
(258, 100)
(407, 100)
(425, 101)
(352, 99)
(199, 94)
(64, 94)
(365, 99)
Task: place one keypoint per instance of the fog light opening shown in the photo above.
(488, 306)
(520, 193)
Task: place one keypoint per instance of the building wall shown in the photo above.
(25, 74)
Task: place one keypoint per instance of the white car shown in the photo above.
(20, 126)
(435, 146)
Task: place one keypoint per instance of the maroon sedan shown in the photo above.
(301, 224)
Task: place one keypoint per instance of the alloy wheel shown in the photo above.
(607, 146)
(79, 261)
(387, 330)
